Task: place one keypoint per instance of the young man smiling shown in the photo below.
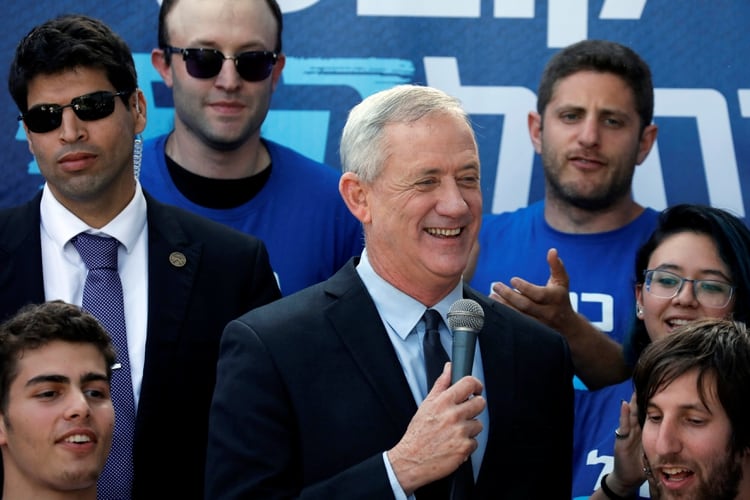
(57, 414)
(693, 407)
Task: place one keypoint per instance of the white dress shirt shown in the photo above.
(65, 273)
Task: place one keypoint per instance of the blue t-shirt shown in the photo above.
(598, 415)
(299, 214)
(601, 270)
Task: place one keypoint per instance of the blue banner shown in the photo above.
(488, 53)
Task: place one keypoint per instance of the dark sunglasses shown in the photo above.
(94, 106)
(252, 66)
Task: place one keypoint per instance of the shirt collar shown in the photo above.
(61, 224)
(399, 310)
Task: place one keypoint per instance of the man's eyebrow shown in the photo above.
(62, 379)
(48, 377)
(94, 376)
(688, 406)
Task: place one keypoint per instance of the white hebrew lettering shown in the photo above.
(516, 154)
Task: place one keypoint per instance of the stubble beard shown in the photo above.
(215, 136)
(591, 200)
(722, 483)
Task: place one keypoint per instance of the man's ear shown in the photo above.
(354, 192)
(159, 62)
(3, 431)
(277, 69)
(140, 111)
(534, 122)
(28, 139)
(648, 137)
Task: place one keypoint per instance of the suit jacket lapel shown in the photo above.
(21, 279)
(172, 266)
(357, 323)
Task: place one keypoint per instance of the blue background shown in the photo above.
(339, 51)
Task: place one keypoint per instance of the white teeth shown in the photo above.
(77, 438)
(676, 474)
(673, 470)
(679, 322)
(444, 232)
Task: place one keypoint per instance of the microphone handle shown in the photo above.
(464, 342)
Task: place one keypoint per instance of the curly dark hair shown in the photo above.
(36, 325)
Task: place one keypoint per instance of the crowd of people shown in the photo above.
(226, 318)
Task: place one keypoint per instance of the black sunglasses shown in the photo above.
(253, 66)
(94, 106)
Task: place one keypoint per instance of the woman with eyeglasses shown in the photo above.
(696, 264)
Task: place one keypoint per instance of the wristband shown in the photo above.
(611, 494)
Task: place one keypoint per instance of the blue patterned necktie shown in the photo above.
(458, 485)
(102, 297)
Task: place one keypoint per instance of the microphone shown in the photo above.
(465, 320)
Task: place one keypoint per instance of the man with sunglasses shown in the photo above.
(223, 60)
(171, 280)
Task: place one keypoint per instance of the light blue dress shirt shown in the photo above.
(402, 318)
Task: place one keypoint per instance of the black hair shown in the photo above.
(67, 42)
(732, 239)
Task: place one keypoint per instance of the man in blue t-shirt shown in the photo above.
(592, 127)
(223, 60)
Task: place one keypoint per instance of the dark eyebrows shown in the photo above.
(62, 379)
(41, 379)
(94, 377)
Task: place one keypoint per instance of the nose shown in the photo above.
(686, 295)
(668, 440)
(451, 200)
(228, 78)
(77, 406)
(589, 133)
(72, 128)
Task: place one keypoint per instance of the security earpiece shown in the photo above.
(137, 101)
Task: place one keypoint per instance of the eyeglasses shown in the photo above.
(253, 66)
(666, 285)
(44, 118)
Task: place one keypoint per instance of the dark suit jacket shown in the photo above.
(310, 393)
(226, 274)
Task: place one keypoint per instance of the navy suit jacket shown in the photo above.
(310, 393)
(226, 273)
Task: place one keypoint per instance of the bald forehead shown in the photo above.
(206, 20)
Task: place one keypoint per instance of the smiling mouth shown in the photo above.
(676, 474)
(78, 439)
(446, 233)
(676, 322)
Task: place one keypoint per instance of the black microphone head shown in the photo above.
(466, 314)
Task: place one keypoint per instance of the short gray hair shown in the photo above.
(362, 150)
